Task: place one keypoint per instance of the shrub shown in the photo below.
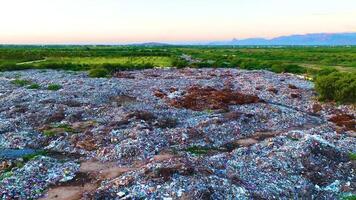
(34, 86)
(204, 65)
(197, 150)
(326, 71)
(49, 133)
(98, 73)
(288, 68)
(63, 66)
(352, 156)
(32, 156)
(179, 63)
(112, 68)
(349, 197)
(54, 87)
(278, 68)
(20, 82)
(337, 86)
(14, 67)
(223, 64)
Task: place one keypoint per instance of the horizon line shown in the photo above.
(178, 43)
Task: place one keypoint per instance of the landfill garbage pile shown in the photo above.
(172, 134)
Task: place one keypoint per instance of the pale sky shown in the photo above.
(126, 21)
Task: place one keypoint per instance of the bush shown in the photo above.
(54, 87)
(352, 156)
(326, 71)
(20, 82)
(250, 64)
(34, 86)
(179, 63)
(63, 66)
(337, 86)
(112, 68)
(204, 65)
(288, 68)
(14, 67)
(98, 73)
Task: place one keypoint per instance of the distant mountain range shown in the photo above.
(151, 44)
(307, 39)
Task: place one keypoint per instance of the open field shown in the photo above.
(157, 61)
(310, 58)
(342, 57)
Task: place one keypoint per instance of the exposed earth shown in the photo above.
(173, 134)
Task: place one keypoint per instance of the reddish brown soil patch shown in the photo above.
(88, 144)
(344, 120)
(249, 141)
(317, 108)
(295, 95)
(5, 165)
(74, 189)
(160, 94)
(141, 115)
(124, 75)
(292, 87)
(272, 90)
(199, 99)
(56, 117)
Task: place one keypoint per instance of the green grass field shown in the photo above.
(154, 60)
(342, 58)
(311, 59)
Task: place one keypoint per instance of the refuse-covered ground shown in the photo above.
(172, 134)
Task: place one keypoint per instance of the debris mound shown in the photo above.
(198, 98)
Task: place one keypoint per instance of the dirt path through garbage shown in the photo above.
(88, 179)
(262, 136)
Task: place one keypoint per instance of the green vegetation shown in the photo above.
(98, 73)
(291, 68)
(337, 86)
(54, 87)
(352, 156)
(349, 197)
(34, 86)
(199, 150)
(49, 133)
(278, 59)
(20, 163)
(310, 58)
(6, 175)
(66, 127)
(56, 129)
(326, 71)
(333, 68)
(29, 84)
(30, 157)
(21, 82)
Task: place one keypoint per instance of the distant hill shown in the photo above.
(307, 39)
(151, 44)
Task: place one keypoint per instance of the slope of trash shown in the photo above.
(172, 134)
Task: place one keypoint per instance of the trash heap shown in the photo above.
(172, 134)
